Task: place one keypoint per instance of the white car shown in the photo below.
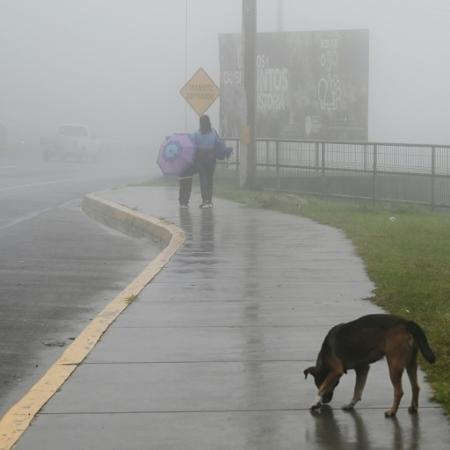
(75, 142)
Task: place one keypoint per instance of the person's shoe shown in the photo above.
(206, 205)
(183, 206)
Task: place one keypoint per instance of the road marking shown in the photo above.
(16, 421)
(26, 186)
(33, 215)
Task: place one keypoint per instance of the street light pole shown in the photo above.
(248, 135)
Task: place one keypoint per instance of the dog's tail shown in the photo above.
(421, 341)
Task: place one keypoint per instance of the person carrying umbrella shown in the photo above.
(205, 141)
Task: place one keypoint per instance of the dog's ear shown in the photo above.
(310, 370)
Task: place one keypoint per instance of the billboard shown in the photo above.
(310, 85)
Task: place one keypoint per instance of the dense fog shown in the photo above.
(118, 65)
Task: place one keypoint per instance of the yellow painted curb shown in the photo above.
(14, 423)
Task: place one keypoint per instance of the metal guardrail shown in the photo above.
(374, 171)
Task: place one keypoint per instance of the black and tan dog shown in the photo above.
(356, 344)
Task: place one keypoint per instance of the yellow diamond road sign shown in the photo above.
(200, 92)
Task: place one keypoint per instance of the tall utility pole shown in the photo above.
(248, 135)
(186, 59)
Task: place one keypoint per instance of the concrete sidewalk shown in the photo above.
(211, 354)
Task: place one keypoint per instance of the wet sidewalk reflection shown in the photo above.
(211, 354)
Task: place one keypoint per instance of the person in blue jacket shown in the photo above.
(205, 140)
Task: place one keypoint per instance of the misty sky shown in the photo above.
(118, 65)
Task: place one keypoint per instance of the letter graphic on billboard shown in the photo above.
(310, 85)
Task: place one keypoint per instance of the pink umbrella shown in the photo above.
(176, 154)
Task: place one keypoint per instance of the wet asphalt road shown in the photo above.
(58, 268)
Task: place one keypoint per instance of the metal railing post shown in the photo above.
(433, 177)
(374, 178)
(316, 145)
(323, 169)
(277, 164)
(365, 157)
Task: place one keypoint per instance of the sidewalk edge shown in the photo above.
(17, 419)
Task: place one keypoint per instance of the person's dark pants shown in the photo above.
(185, 190)
(206, 164)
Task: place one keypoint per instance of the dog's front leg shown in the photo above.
(361, 378)
(330, 381)
(317, 403)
